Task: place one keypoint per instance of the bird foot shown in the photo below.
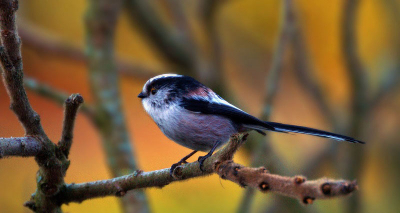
(173, 167)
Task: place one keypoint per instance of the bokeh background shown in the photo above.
(336, 68)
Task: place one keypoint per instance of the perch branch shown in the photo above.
(71, 108)
(159, 178)
(22, 146)
(221, 164)
(296, 187)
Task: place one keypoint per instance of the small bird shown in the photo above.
(195, 117)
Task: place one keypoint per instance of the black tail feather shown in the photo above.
(310, 131)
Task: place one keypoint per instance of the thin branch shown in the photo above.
(22, 146)
(55, 95)
(41, 41)
(71, 108)
(11, 61)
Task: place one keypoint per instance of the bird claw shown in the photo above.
(201, 161)
(173, 167)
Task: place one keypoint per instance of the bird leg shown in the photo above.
(203, 158)
(182, 161)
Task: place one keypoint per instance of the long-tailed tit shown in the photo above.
(195, 117)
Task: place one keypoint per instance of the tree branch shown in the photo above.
(221, 164)
(159, 178)
(23, 147)
(11, 61)
(52, 165)
(71, 108)
(296, 187)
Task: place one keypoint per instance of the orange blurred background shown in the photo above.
(247, 31)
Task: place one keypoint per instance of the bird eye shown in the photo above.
(153, 91)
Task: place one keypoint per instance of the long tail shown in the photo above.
(310, 131)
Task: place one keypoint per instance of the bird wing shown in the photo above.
(223, 108)
(218, 106)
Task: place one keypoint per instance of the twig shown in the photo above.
(23, 147)
(71, 108)
(296, 187)
(39, 40)
(101, 18)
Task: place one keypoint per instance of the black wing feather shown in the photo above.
(236, 115)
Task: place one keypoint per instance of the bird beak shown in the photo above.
(141, 95)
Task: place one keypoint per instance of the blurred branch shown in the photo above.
(391, 82)
(41, 41)
(220, 163)
(55, 95)
(304, 74)
(304, 71)
(23, 146)
(71, 108)
(359, 98)
(261, 147)
(169, 43)
(209, 60)
(387, 86)
(101, 18)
